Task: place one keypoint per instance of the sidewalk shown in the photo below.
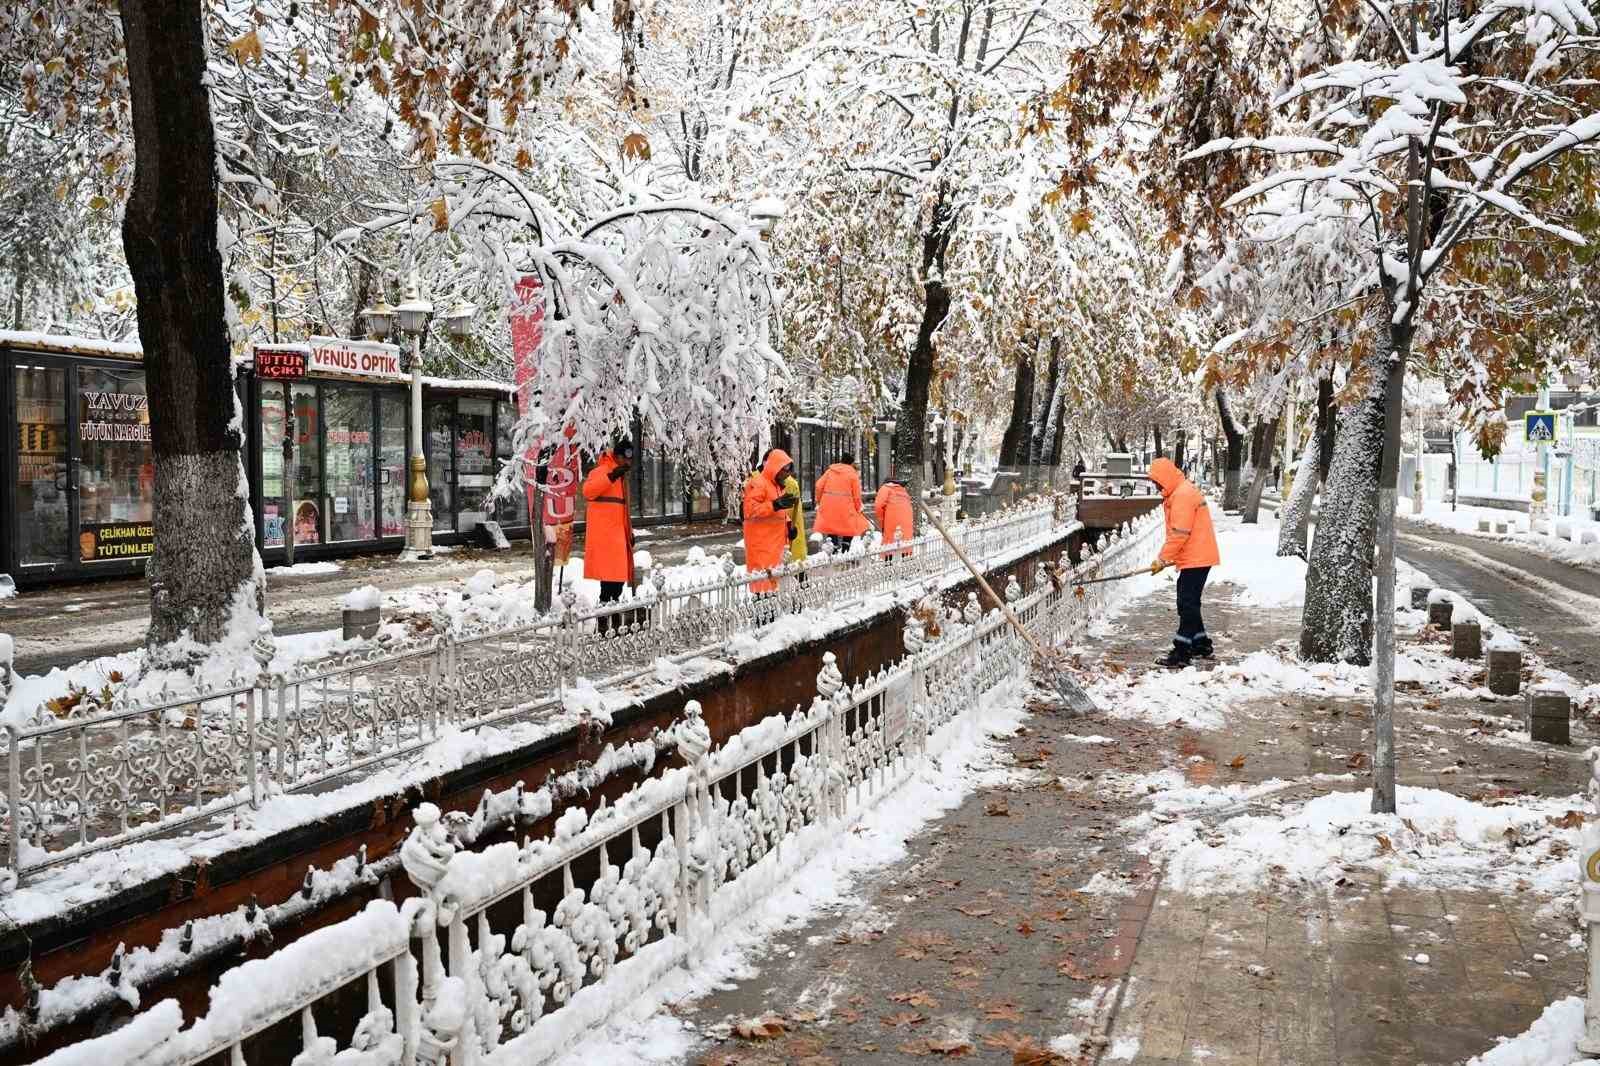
(1193, 877)
(65, 624)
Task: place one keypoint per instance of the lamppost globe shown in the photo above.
(412, 315)
(380, 319)
(459, 319)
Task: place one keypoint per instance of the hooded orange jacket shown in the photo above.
(1191, 540)
(839, 512)
(766, 526)
(895, 517)
(608, 540)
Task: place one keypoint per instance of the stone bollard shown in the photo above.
(1564, 530)
(1466, 639)
(1505, 665)
(1440, 608)
(1502, 528)
(361, 613)
(1549, 714)
(1483, 525)
(1419, 596)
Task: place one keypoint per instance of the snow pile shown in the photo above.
(1437, 840)
(482, 583)
(1550, 1041)
(1205, 698)
(642, 560)
(1250, 561)
(365, 598)
(304, 569)
(8, 587)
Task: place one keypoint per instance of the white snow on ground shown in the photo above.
(1250, 561)
(1437, 840)
(1562, 549)
(304, 569)
(1550, 1041)
(643, 1033)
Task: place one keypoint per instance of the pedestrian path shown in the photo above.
(1164, 884)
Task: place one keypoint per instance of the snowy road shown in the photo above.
(1529, 593)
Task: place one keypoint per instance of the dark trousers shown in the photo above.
(840, 544)
(611, 592)
(1191, 638)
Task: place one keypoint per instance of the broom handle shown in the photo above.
(973, 570)
(1114, 577)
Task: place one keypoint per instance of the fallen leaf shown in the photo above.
(953, 1046)
(1025, 927)
(997, 808)
(1570, 820)
(1237, 762)
(1385, 845)
(763, 1028)
(920, 945)
(1357, 761)
(975, 912)
(918, 998)
(903, 1018)
(965, 971)
(1025, 1050)
(1001, 1012)
(802, 1015)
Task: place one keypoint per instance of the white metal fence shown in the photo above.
(511, 953)
(144, 769)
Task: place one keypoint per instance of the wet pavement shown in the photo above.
(64, 624)
(1023, 928)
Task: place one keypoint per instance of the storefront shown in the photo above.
(81, 480)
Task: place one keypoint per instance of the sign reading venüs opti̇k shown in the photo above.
(367, 359)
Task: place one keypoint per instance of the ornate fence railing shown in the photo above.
(151, 767)
(510, 953)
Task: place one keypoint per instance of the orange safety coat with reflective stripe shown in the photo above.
(839, 512)
(766, 528)
(1191, 540)
(608, 536)
(895, 519)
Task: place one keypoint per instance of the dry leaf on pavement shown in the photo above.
(903, 1018)
(997, 808)
(1001, 1012)
(975, 912)
(917, 998)
(763, 1028)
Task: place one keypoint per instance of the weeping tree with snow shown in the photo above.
(1427, 138)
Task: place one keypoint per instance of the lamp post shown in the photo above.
(410, 319)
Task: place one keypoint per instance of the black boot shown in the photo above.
(1202, 649)
(1176, 659)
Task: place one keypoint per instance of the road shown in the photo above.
(1555, 602)
(69, 623)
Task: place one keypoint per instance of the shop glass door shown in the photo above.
(474, 462)
(113, 470)
(44, 516)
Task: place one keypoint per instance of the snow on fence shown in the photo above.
(509, 954)
(143, 769)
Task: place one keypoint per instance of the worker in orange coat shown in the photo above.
(1191, 546)
(608, 540)
(840, 517)
(766, 518)
(895, 517)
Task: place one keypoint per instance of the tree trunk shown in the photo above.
(1266, 435)
(1235, 453)
(1180, 438)
(1014, 444)
(1383, 755)
(1044, 423)
(911, 421)
(1337, 622)
(1312, 473)
(206, 580)
(1159, 449)
(1057, 421)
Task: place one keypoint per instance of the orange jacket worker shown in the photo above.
(840, 517)
(893, 507)
(1191, 546)
(766, 518)
(608, 540)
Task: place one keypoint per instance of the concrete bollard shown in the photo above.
(1466, 639)
(1564, 530)
(1483, 525)
(1419, 596)
(1505, 665)
(1440, 608)
(1502, 528)
(361, 613)
(1549, 714)
(1589, 536)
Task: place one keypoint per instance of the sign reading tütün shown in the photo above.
(367, 359)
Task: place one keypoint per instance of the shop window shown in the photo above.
(350, 503)
(393, 418)
(438, 431)
(116, 466)
(672, 494)
(474, 462)
(648, 487)
(41, 464)
(512, 509)
(309, 521)
(273, 509)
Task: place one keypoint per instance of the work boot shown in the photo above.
(1176, 659)
(1202, 649)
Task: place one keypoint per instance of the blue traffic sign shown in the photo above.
(1539, 427)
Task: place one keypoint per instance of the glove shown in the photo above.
(783, 503)
(1158, 566)
(619, 472)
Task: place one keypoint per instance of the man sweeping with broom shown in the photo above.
(1191, 546)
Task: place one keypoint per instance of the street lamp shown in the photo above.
(410, 319)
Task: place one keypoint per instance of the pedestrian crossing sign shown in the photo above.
(1539, 427)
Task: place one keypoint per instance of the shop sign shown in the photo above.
(367, 359)
(280, 364)
(115, 416)
(115, 540)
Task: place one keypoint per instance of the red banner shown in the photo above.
(527, 332)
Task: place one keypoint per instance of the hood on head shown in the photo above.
(1165, 473)
(777, 459)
